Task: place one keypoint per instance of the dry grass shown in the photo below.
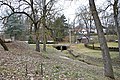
(22, 60)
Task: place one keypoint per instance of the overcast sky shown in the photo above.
(70, 6)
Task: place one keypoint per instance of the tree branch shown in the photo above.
(23, 13)
(7, 5)
(25, 1)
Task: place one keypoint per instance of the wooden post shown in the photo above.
(26, 70)
(70, 36)
(61, 48)
(41, 69)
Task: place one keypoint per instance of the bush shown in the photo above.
(30, 40)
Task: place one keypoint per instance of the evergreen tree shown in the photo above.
(14, 26)
(60, 28)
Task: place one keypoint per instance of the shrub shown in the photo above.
(30, 40)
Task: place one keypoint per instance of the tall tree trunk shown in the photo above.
(37, 38)
(108, 70)
(44, 38)
(74, 32)
(115, 10)
(90, 24)
(3, 45)
(37, 43)
(44, 24)
(34, 16)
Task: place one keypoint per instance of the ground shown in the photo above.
(21, 62)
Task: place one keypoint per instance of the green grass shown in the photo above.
(95, 53)
(86, 55)
(32, 46)
(93, 57)
(110, 44)
(80, 48)
(41, 45)
(108, 38)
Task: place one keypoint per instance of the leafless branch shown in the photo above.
(2, 18)
(23, 13)
(2, 3)
(106, 8)
(25, 1)
(26, 8)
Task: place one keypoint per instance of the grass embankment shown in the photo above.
(83, 54)
(94, 57)
(59, 66)
(89, 55)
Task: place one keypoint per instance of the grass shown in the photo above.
(80, 48)
(92, 57)
(110, 44)
(95, 53)
(54, 67)
(89, 56)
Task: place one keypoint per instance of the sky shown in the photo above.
(70, 6)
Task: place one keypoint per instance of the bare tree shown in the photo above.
(115, 10)
(116, 20)
(36, 10)
(47, 12)
(31, 15)
(108, 70)
(86, 16)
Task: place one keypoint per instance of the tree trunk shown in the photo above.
(44, 41)
(37, 44)
(115, 10)
(3, 45)
(108, 70)
(37, 38)
(44, 24)
(88, 33)
(90, 24)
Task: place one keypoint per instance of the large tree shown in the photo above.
(14, 26)
(108, 70)
(60, 28)
(85, 15)
(115, 11)
(36, 10)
